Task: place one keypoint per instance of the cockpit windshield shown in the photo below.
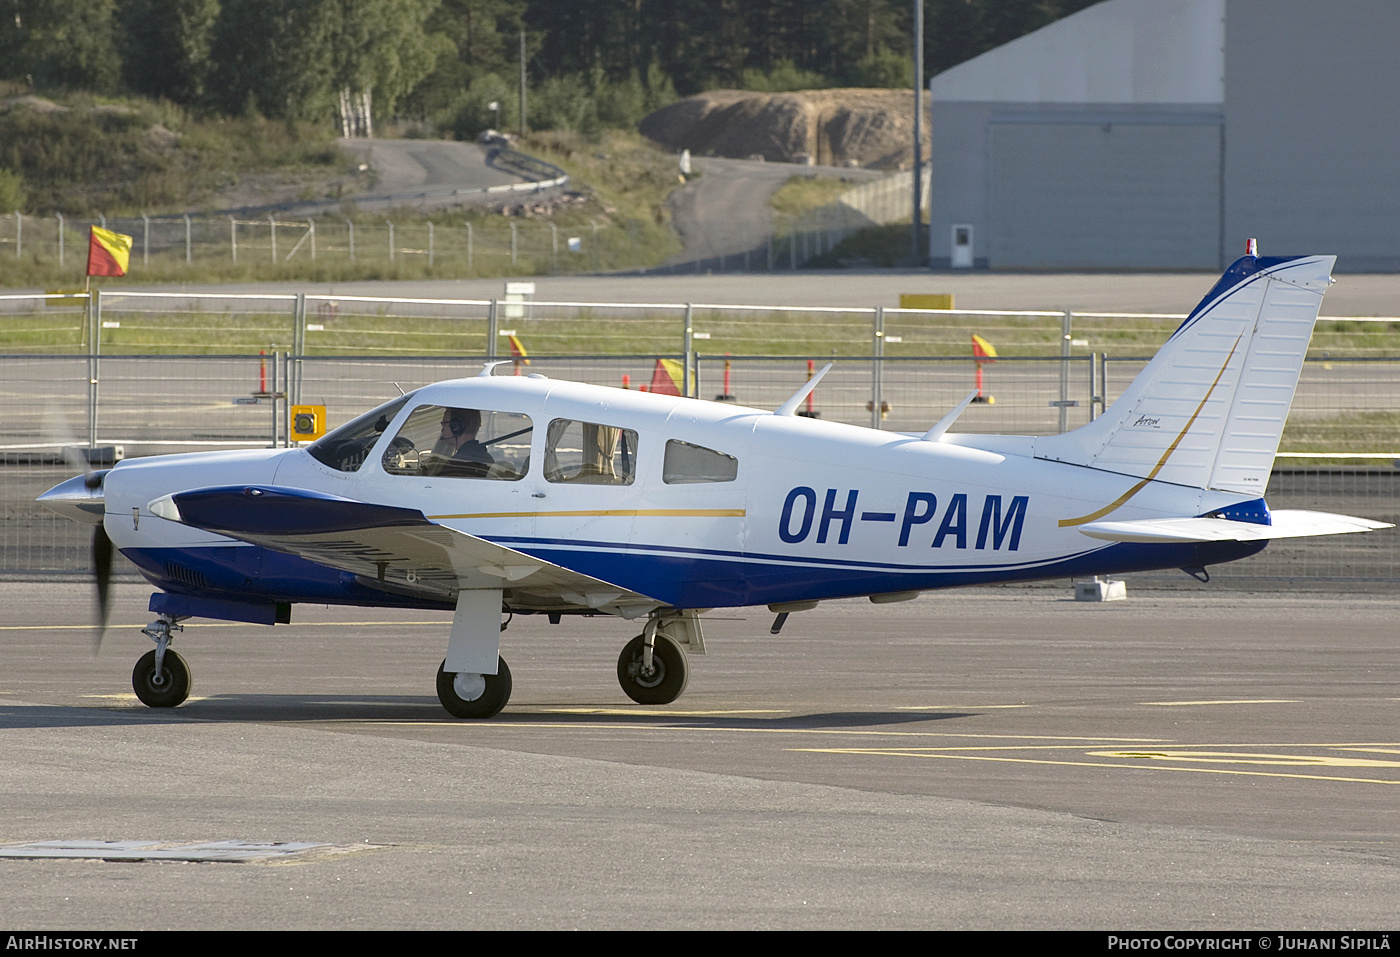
(346, 449)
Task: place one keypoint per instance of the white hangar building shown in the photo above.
(1161, 134)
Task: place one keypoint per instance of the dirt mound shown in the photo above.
(851, 127)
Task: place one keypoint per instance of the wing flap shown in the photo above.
(397, 547)
(1286, 523)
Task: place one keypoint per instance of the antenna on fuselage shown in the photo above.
(935, 434)
(489, 367)
(790, 406)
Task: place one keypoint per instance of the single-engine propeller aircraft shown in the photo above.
(523, 495)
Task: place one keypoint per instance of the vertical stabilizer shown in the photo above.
(1209, 409)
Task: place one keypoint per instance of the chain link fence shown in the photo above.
(796, 240)
(498, 246)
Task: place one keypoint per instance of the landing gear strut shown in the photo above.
(161, 678)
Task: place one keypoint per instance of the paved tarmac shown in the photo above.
(1164, 293)
(990, 758)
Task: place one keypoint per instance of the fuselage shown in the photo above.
(699, 505)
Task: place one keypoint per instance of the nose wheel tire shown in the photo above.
(668, 676)
(467, 695)
(168, 689)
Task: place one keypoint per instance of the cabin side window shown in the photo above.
(588, 453)
(451, 442)
(687, 464)
(346, 449)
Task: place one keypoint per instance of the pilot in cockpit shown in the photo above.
(457, 449)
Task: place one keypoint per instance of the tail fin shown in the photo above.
(1209, 409)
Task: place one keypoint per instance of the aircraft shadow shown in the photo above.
(21, 717)
(833, 720)
(418, 709)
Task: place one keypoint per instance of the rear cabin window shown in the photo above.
(589, 453)
(687, 464)
(438, 440)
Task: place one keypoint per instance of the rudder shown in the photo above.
(1209, 409)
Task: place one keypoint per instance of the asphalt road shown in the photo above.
(725, 211)
(425, 174)
(998, 758)
(406, 165)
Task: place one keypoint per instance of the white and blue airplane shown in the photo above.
(524, 495)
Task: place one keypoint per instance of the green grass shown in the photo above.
(801, 193)
(881, 246)
(131, 155)
(630, 178)
(1347, 432)
(620, 223)
(393, 329)
(366, 328)
(610, 247)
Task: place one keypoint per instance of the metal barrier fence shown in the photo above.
(153, 404)
(1348, 402)
(90, 372)
(120, 320)
(163, 402)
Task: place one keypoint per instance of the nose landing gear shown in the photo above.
(161, 678)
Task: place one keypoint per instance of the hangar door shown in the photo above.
(1104, 191)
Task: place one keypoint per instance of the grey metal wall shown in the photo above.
(1309, 160)
(1049, 186)
(1312, 152)
(958, 187)
(1103, 189)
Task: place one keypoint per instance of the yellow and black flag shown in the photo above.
(109, 253)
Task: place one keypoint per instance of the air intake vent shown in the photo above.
(185, 575)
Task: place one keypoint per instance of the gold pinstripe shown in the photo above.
(1100, 513)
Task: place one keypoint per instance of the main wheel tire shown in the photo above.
(669, 674)
(173, 686)
(474, 696)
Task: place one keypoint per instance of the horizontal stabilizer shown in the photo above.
(1285, 523)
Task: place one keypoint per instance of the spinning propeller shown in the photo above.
(81, 498)
(101, 564)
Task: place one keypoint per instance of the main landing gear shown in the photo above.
(161, 678)
(652, 668)
(466, 695)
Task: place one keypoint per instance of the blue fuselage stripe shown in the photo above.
(684, 578)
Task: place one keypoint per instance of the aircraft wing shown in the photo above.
(1285, 523)
(394, 548)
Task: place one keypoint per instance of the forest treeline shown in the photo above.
(589, 63)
